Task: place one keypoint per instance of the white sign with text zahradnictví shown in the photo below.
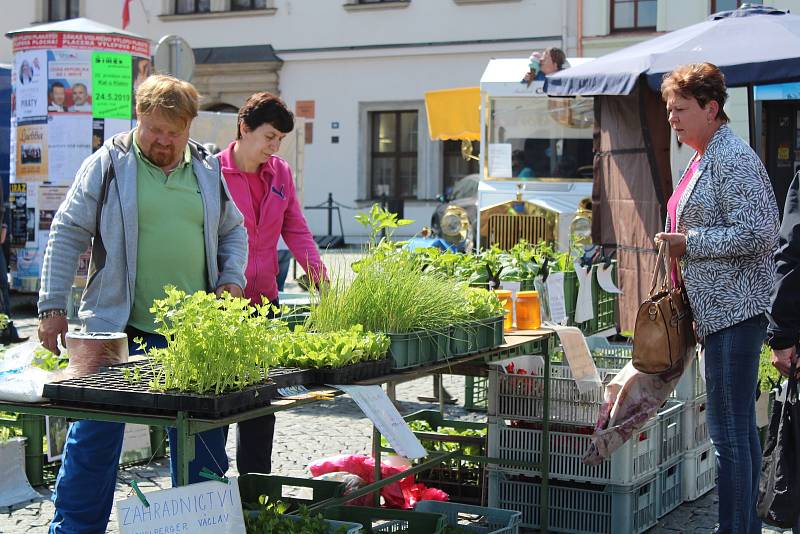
(212, 507)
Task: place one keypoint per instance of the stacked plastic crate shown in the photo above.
(686, 463)
(699, 465)
(620, 495)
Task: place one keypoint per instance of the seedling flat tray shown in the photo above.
(291, 376)
(109, 388)
(353, 373)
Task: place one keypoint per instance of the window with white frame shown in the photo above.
(630, 15)
(393, 154)
(187, 7)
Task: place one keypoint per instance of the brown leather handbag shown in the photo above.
(663, 336)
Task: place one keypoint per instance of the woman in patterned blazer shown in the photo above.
(722, 222)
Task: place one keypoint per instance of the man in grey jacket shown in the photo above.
(154, 208)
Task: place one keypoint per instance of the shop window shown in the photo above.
(186, 7)
(62, 10)
(244, 5)
(393, 154)
(455, 166)
(630, 15)
(729, 5)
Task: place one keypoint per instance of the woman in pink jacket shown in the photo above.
(262, 187)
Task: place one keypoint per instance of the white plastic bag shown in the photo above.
(20, 381)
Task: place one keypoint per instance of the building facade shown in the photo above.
(359, 69)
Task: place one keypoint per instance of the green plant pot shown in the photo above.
(465, 338)
(440, 344)
(421, 347)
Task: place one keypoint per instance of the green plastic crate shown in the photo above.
(570, 295)
(475, 391)
(413, 349)
(464, 338)
(334, 527)
(578, 508)
(388, 520)
(604, 304)
(286, 489)
(479, 519)
(461, 479)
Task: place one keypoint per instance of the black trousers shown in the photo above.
(254, 444)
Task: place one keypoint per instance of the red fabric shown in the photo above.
(279, 215)
(126, 13)
(404, 494)
(364, 466)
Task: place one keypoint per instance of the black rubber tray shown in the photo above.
(353, 373)
(109, 388)
(291, 376)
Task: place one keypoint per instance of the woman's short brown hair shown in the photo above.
(265, 108)
(169, 96)
(702, 81)
(557, 55)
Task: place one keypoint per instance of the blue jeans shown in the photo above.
(84, 492)
(284, 259)
(732, 357)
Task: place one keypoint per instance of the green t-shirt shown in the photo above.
(171, 249)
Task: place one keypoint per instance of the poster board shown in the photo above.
(71, 91)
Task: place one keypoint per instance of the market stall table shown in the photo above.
(188, 426)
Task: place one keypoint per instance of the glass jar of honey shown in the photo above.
(529, 315)
(504, 296)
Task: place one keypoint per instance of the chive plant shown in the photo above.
(391, 294)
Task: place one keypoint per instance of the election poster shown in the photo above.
(30, 85)
(69, 81)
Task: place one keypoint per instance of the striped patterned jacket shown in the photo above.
(730, 218)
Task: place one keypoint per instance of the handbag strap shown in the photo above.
(662, 267)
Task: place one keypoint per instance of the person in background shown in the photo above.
(261, 184)
(284, 260)
(783, 333)
(541, 64)
(518, 167)
(80, 98)
(58, 96)
(163, 217)
(722, 224)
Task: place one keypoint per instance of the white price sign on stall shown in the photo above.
(212, 507)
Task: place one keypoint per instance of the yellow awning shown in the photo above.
(454, 114)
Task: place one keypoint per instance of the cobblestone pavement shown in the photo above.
(305, 434)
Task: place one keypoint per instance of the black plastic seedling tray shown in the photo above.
(291, 376)
(109, 388)
(353, 373)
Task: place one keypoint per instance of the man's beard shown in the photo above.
(163, 156)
